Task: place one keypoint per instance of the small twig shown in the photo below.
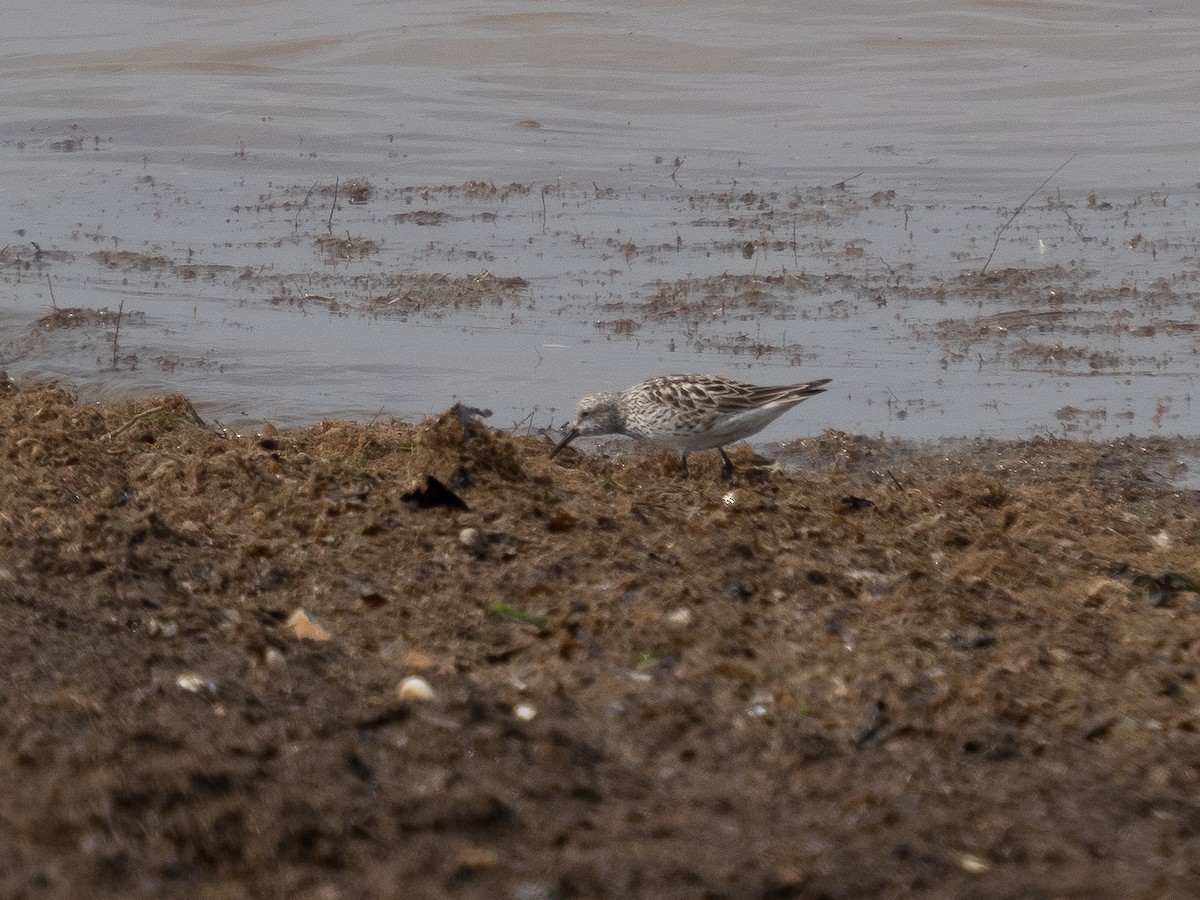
(195, 416)
(527, 422)
(333, 205)
(895, 480)
(674, 171)
(146, 412)
(841, 185)
(53, 305)
(1017, 212)
(302, 206)
(876, 724)
(117, 333)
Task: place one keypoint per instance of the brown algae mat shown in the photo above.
(292, 665)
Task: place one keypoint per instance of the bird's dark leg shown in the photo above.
(683, 463)
(728, 462)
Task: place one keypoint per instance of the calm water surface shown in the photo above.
(202, 132)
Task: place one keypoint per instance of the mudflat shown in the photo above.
(425, 660)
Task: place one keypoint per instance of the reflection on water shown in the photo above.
(652, 152)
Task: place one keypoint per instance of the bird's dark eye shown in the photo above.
(585, 414)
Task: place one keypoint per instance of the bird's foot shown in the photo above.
(727, 472)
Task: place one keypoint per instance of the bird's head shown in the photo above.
(597, 414)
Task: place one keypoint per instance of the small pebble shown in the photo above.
(679, 618)
(525, 712)
(415, 688)
(195, 684)
(973, 864)
(468, 537)
(155, 628)
(304, 625)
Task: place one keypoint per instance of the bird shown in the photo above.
(688, 412)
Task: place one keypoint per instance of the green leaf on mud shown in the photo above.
(517, 615)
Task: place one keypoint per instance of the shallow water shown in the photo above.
(650, 143)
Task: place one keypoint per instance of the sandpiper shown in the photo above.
(688, 412)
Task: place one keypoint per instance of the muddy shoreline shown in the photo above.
(248, 666)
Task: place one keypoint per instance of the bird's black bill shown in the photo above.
(571, 435)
